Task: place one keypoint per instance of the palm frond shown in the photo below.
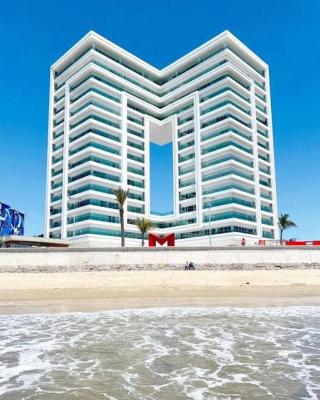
(284, 222)
(143, 224)
(121, 195)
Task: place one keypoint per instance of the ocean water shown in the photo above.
(165, 353)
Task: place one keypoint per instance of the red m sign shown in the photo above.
(169, 238)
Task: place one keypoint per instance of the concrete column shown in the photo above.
(255, 158)
(124, 134)
(49, 155)
(175, 166)
(272, 159)
(147, 179)
(197, 149)
(64, 200)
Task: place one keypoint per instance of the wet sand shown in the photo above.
(105, 290)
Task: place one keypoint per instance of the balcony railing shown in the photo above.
(97, 160)
(98, 174)
(95, 145)
(227, 143)
(227, 187)
(182, 158)
(206, 164)
(135, 183)
(222, 118)
(228, 215)
(227, 130)
(229, 200)
(97, 188)
(98, 132)
(227, 172)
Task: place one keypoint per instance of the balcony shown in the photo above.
(222, 118)
(56, 185)
(267, 221)
(93, 202)
(266, 208)
(135, 183)
(265, 183)
(222, 104)
(227, 130)
(265, 170)
(97, 174)
(95, 118)
(97, 188)
(264, 158)
(227, 187)
(223, 90)
(228, 172)
(56, 197)
(98, 105)
(182, 146)
(229, 200)
(98, 132)
(135, 196)
(135, 133)
(103, 232)
(95, 145)
(55, 173)
(188, 209)
(184, 120)
(266, 196)
(136, 171)
(135, 145)
(223, 145)
(186, 196)
(93, 217)
(137, 210)
(135, 158)
(186, 157)
(185, 132)
(206, 164)
(136, 120)
(184, 171)
(263, 133)
(267, 235)
(229, 215)
(98, 160)
(100, 92)
(56, 147)
(55, 160)
(57, 135)
(187, 183)
(56, 224)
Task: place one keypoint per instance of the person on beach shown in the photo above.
(186, 267)
(191, 266)
(243, 242)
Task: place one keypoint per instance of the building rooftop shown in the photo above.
(31, 241)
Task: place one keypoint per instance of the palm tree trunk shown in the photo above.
(142, 241)
(122, 226)
(281, 233)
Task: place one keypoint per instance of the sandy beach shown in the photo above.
(104, 290)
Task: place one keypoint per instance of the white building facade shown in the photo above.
(213, 105)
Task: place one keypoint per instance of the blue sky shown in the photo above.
(33, 34)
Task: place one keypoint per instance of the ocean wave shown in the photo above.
(162, 353)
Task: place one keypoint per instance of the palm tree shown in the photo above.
(284, 223)
(121, 195)
(144, 225)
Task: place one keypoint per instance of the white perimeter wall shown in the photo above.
(156, 257)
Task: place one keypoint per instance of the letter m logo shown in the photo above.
(169, 238)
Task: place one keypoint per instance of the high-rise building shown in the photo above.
(213, 105)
